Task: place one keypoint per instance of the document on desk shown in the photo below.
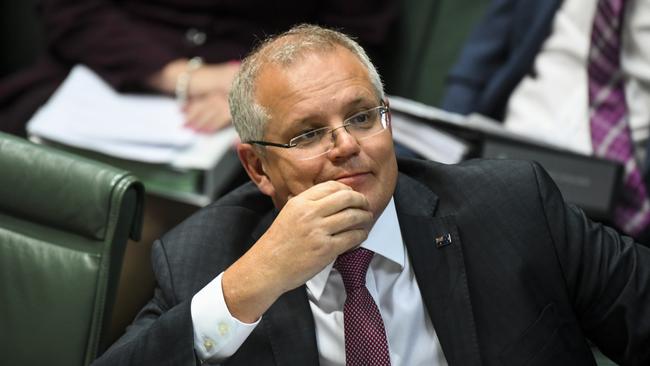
(410, 130)
(427, 141)
(86, 112)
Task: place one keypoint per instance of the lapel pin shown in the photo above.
(443, 240)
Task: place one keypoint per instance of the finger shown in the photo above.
(192, 110)
(201, 121)
(324, 189)
(341, 200)
(330, 197)
(346, 220)
(204, 117)
(347, 240)
(220, 120)
(206, 121)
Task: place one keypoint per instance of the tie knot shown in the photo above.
(353, 266)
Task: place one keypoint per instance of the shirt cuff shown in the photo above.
(217, 334)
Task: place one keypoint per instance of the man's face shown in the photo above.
(322, 89)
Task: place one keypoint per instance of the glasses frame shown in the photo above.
(383, 108)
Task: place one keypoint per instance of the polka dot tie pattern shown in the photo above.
(365, 336)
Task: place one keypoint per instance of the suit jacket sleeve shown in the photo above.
(607, 277)
(484, 53)
(103, 36)
(162, 333)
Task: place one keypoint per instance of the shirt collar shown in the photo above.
(384, 239)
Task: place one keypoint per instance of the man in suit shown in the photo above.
(529, 65)
(476, 264)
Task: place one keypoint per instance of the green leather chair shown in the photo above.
(64, 224)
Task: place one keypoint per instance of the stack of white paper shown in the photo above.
(428, 142)
(86, 112)
(424, 111)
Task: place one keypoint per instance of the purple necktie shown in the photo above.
(365, 336)
(610, 130)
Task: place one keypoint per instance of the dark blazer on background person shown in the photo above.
(127, 41)
(500, 51)
(523, 280)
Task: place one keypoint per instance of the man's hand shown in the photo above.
(206, 109)
(207, 113)
(213, 77)
(311, 230)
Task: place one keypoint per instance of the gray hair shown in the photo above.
(248, 116)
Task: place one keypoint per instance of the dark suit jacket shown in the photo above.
(525, 279)
(498, 54)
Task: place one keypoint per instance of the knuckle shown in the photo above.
(369, 216)
(352, 215)
(360, 235)
(364, 235)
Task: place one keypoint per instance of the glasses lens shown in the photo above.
(361, 126)
(368, 123)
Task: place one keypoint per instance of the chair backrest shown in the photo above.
(425, 45)
(64, 224)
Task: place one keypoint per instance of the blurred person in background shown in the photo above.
(186, 47)
(575, 73)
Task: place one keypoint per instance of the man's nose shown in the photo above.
(344, 143)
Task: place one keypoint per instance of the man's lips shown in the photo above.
(351, 179)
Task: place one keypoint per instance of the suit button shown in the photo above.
(195, 37)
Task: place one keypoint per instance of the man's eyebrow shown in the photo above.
(359, 101)
(304, 122)
(300, 124)
(309, 119)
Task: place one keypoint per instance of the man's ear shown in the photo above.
(253, 163)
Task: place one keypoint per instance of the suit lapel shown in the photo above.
(289, 323)
(435, 251)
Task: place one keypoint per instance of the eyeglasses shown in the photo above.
(315, 143)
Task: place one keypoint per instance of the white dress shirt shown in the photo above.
(412, 341)
(553, 104)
